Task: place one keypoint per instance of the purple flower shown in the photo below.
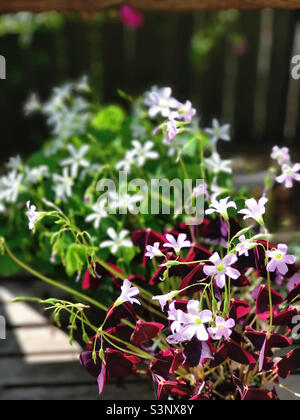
(293, 281)
(160, 101)
(128, 293)
(244, 246)
(201, 189)
(53, 258)
(171, 129)
(164, 299)
(282, 155)
(178, 244)
(185, 326)
(33, 215)
(187, 112)
(255, 209)
(280, 259)
(289, 175)
(222, 329)
(222, 268)
(153, 251)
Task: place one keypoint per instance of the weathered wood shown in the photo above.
(131, 391)
(95, 5)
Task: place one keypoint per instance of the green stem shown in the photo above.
(53, 282)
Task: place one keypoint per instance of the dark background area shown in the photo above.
(233, 65)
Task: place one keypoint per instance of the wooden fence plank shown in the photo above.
(284, 26)
(249, 25)
(94, 5)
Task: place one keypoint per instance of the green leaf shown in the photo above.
(109, 118)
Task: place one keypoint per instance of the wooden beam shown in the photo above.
(170, 5)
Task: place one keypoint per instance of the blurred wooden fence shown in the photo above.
(248, 84)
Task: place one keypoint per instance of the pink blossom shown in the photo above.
(222, 329)
(154, 251)
(293, 281)
(185, 326)
(280, 260)
(244, 246)
(171, 129)
(164, 299)
(222, 268)
(289, 175)
(187, 112)
(131, 18)
(282, 155)
(178, 244)
(201, 189)
(255, 209)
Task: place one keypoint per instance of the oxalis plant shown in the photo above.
(198, 305)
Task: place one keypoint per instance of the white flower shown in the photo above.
(10, 186)
(128, 293)
(221, 207)
(143, 152)
(35, 175)
(2, 208)
(100, 212)
(124, 202)
(77, 159)
(117, 240)
(178, 244)
(33, 215)
(255, 210)
(14, 163)
(154, 251)
(63, 185)
(83, 85)
(127, 163)
(216, 165)
(218, 132)
(289, 175)
(32, 105)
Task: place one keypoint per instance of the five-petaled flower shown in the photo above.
(289, 175)
(117, 240)
(185, 326)
(282, 155)
(218, 132)
(255, 209)
(154, 251)
(222, 268)
(222, 329)
(280, 259)
(221, 207)
(128, 294)
(76, 160)
(178, 244)
(100, 212)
